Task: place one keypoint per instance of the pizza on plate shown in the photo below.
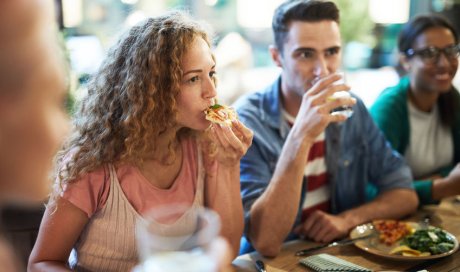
(391, 231)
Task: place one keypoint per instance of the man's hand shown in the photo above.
(315, 111)
(323, 227)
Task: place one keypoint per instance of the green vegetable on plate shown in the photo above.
(433, 240)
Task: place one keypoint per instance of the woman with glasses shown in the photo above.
(420, 116)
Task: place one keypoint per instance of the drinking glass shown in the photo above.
(344, 110)
(174, 238)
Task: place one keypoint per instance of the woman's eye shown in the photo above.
(194, 79)
(212, 74)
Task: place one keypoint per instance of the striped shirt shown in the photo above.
(315, 175)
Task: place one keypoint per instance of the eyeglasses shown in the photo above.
(431, 54)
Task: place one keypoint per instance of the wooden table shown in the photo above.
(446, 215)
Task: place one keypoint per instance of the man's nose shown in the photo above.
(320, 69)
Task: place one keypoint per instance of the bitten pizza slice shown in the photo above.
(221, 114)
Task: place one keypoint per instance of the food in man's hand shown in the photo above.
(220, 114)
(391, 231)
(432, 240)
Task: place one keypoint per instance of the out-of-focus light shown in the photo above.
(440, 5)
(233, 49)
(210, 3)
(256, 13)
(72, 12)
(129, 2)
(389, 11)
(135, 18)
(86, 53)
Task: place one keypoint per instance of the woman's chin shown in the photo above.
(206, 126)
(202, 125)
(445, 87)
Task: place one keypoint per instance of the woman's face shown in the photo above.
(32, 126)
(432, 76)
(197, 86)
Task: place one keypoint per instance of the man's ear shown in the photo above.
(276, 55)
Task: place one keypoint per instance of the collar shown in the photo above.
(270, 108)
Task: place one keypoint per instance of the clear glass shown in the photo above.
(167, 243)
(344, 110)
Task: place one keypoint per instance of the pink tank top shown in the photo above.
(108, 241)
(90, 193)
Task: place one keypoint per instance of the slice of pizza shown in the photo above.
(220, 114)
(391, 231)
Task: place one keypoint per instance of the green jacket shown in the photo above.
(391, 115)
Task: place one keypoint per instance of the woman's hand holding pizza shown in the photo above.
(229, 138)
(231, 142)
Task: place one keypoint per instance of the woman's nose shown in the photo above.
(443, 60)
(209, 88)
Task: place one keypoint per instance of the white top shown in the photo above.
(430, 145)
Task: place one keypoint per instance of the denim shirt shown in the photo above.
(356, 153)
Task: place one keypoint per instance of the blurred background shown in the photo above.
(243, 33)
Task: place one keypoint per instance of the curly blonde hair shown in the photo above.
(132, 98)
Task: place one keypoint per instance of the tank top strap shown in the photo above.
(201, 174)
(115, 187)
(112, 174)
(96, 244)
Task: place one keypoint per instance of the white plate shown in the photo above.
(374, 246)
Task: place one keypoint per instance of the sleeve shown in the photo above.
(388, 114)
(424, 187)
(387, 169)
(424, 191)
(255, 176)
(88, 193)
(255, 166)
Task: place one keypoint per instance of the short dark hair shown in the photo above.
(420, 24)
(301, 10)
(448, 103)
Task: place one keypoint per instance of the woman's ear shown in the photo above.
(276, 55)
(404, 61)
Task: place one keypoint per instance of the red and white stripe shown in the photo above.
(315, 176)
